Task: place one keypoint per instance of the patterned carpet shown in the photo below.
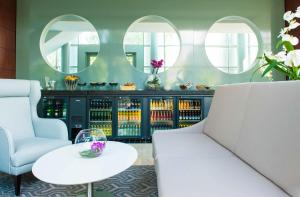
(137, 181)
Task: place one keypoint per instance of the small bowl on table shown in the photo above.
(82, 85)
(128, 86)
(113, 85)
(202, 87)
(185, 86)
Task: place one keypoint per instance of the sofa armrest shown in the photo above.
(196, 128)
(50, 128)
(7, 149)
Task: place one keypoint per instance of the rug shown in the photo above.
(137, 181)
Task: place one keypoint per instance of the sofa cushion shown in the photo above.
(30, 149)
(270, 137)
(226, 114)
(186, 145)
(211, 177)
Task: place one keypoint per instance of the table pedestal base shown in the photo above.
(95, 193)
(98, 194)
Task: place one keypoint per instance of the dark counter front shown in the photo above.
(125, 115)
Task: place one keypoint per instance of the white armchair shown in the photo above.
(24, 137)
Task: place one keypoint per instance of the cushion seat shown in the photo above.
(211, 177)
(187, 145)
(30, 149)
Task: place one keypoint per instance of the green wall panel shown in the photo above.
(111, 19)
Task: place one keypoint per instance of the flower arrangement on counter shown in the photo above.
(153, 82)
(286, 61)
(156, 65)
(71, 82)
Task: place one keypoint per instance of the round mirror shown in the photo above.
(151, 38)
(231, 44)
(69, 44)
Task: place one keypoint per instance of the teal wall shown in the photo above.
(111, 18)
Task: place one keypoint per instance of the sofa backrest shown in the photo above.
(226, 114)
(18, 100)
(268, 135)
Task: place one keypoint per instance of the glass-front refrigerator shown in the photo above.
(161, 114)
(100, 115)
(54, 108)
(129, 117)
(189, 111)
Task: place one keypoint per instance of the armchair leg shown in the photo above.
(17, 182)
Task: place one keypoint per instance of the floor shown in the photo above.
(144, 154)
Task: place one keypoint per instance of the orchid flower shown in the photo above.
(156, 64)
(293, 25)
(293, 58)
(297, 14)
(283, 32)
(97, 146)
(288, 16)
(281, 56)
(292, 39)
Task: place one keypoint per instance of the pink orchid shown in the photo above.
(98, 146)
(156, 64)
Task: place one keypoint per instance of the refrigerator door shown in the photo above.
(161, 113)
(54, 107)
(189, 111)
(129, 117)
(100, 114)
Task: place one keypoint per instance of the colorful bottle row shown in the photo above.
(161, 116)
(161, 104)
(54, 108)
(106, 127)
(129, 104)
(129, 129)
(134, 115)
(190, 115)
(100, 116)
(182, 125)
(189, 104)
(104, 104)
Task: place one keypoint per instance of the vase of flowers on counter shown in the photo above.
(71, 82)
(153, 81)
(287, 60)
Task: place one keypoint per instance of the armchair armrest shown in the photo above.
(50, 128)
(7, 148)
(196, 128)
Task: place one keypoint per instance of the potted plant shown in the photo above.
(153, 82)
(287, 60)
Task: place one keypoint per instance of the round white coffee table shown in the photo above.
(64, 166)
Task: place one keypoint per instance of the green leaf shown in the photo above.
(268, 69)
(272, 64)
(289, 47)
(255, 71)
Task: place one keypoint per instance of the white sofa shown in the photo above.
(248, 146)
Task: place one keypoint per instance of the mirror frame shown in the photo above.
(44, 34)
(257, 33)
(169, 23)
